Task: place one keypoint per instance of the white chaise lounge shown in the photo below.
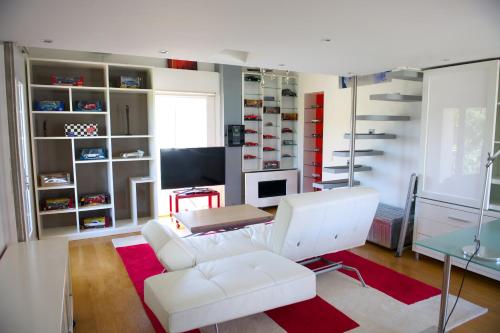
(224, 276)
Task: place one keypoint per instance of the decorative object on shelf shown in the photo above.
(130, 82)
(95, 106)
(182, 64)
(287, 155)
(371, 131)
(288, 92)
(94, 199)
(235, 136)
(66, 81)
(96, 222)
(269, 124)
(249, 157)
(252, 78)
(269, 99)
(76, 130)
(250, 131)
(267, 148)
(272, 109)
(88, 154)
(253, 103)
(57, 204)
(251, 144)
(289, 116)
(269, 136)
(135, 154)
(288, 143)
(54, 179)
(286, 130)
(271, 165)
(253, 117)
(313, 139)
(49, 106)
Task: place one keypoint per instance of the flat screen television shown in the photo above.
(192, 167)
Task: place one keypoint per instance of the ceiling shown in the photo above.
(366, 36)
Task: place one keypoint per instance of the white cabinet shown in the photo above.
(458, 117)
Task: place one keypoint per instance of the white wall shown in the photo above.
(7, 225)
(391, 172)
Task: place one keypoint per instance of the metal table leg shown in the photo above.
(444, 293)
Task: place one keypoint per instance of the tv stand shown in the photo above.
(193, 193)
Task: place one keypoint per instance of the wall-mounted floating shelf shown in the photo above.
(358, 153)
(382, 136)
(345, 168)
(382, 118)
(397, 97)
(406, 75)
(329, 184)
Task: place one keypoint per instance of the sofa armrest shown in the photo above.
(157, 235)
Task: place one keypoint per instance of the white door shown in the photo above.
(458, 116)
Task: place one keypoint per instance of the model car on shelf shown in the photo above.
(54, 179)
(251, 144)
(77, 130)
(87, 154)
(315, 135)
(96, 222)
(272, 109)
(269, 124)
(288, 92)
(289, 116)
(94, 199)
(252, 117)
(267, 148)
(286, 155)
(288, 143)
(49, 106)
(89, 106)
(66, 81)
(269, 136)
(252, 78)
(249, 157)
(57, 204)
(130, 81)
(286, 130)
(253, 103)
(135, 154)
(250, 131)
(271, 164)
(269, 98)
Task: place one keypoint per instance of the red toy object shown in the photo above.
(286, 130)
(250, 131)
(95, 199)
(249, 157)
(269, 136)
(66, 81)
(178, 195)
(268, 149)
(252, 117)
(251, 144)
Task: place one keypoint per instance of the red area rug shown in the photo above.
(315, 315)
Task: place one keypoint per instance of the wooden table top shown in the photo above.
(237, 216)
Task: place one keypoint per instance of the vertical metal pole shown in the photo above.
(352, 149)
(444, 293)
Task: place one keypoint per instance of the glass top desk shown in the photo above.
(451, 244)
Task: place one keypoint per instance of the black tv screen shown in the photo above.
(192, 167)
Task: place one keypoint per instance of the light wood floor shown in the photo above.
(105, 299)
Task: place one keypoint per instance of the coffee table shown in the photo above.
(230, 217)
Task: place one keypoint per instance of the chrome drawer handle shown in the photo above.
(459, 219)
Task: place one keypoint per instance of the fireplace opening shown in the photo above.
(272, 188)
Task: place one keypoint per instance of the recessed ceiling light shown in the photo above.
(46, 40)
(326, 40)
(163, 51)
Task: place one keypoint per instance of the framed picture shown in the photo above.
(182, 64)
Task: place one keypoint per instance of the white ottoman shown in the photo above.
(226, 289)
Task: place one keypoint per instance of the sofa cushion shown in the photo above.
(312, 224)
(227, 289)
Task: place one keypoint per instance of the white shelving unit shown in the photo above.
(272, 130)
(52, 151)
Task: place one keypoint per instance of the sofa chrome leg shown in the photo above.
(216, 328)
(349, 268)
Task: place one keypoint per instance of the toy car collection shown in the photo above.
(49, 106)
(73, 130)
(289, 116)
(288, 92)
(269, 98)
(135, 154)
(251, 144)
(267, 148)
(66, 81)
(286, 155)
(288, 143)
(130, 81)
(94, 199)
(252, 78)
(252, 117)
(54, 179)
(286, 130)
(271, 164)
(93, 154)
(57, 204)
(88, 106)
(249, 157)
(269, 136)
(250, 131)
(272, 109)
(269, 124)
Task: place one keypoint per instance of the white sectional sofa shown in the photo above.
(223, 276)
